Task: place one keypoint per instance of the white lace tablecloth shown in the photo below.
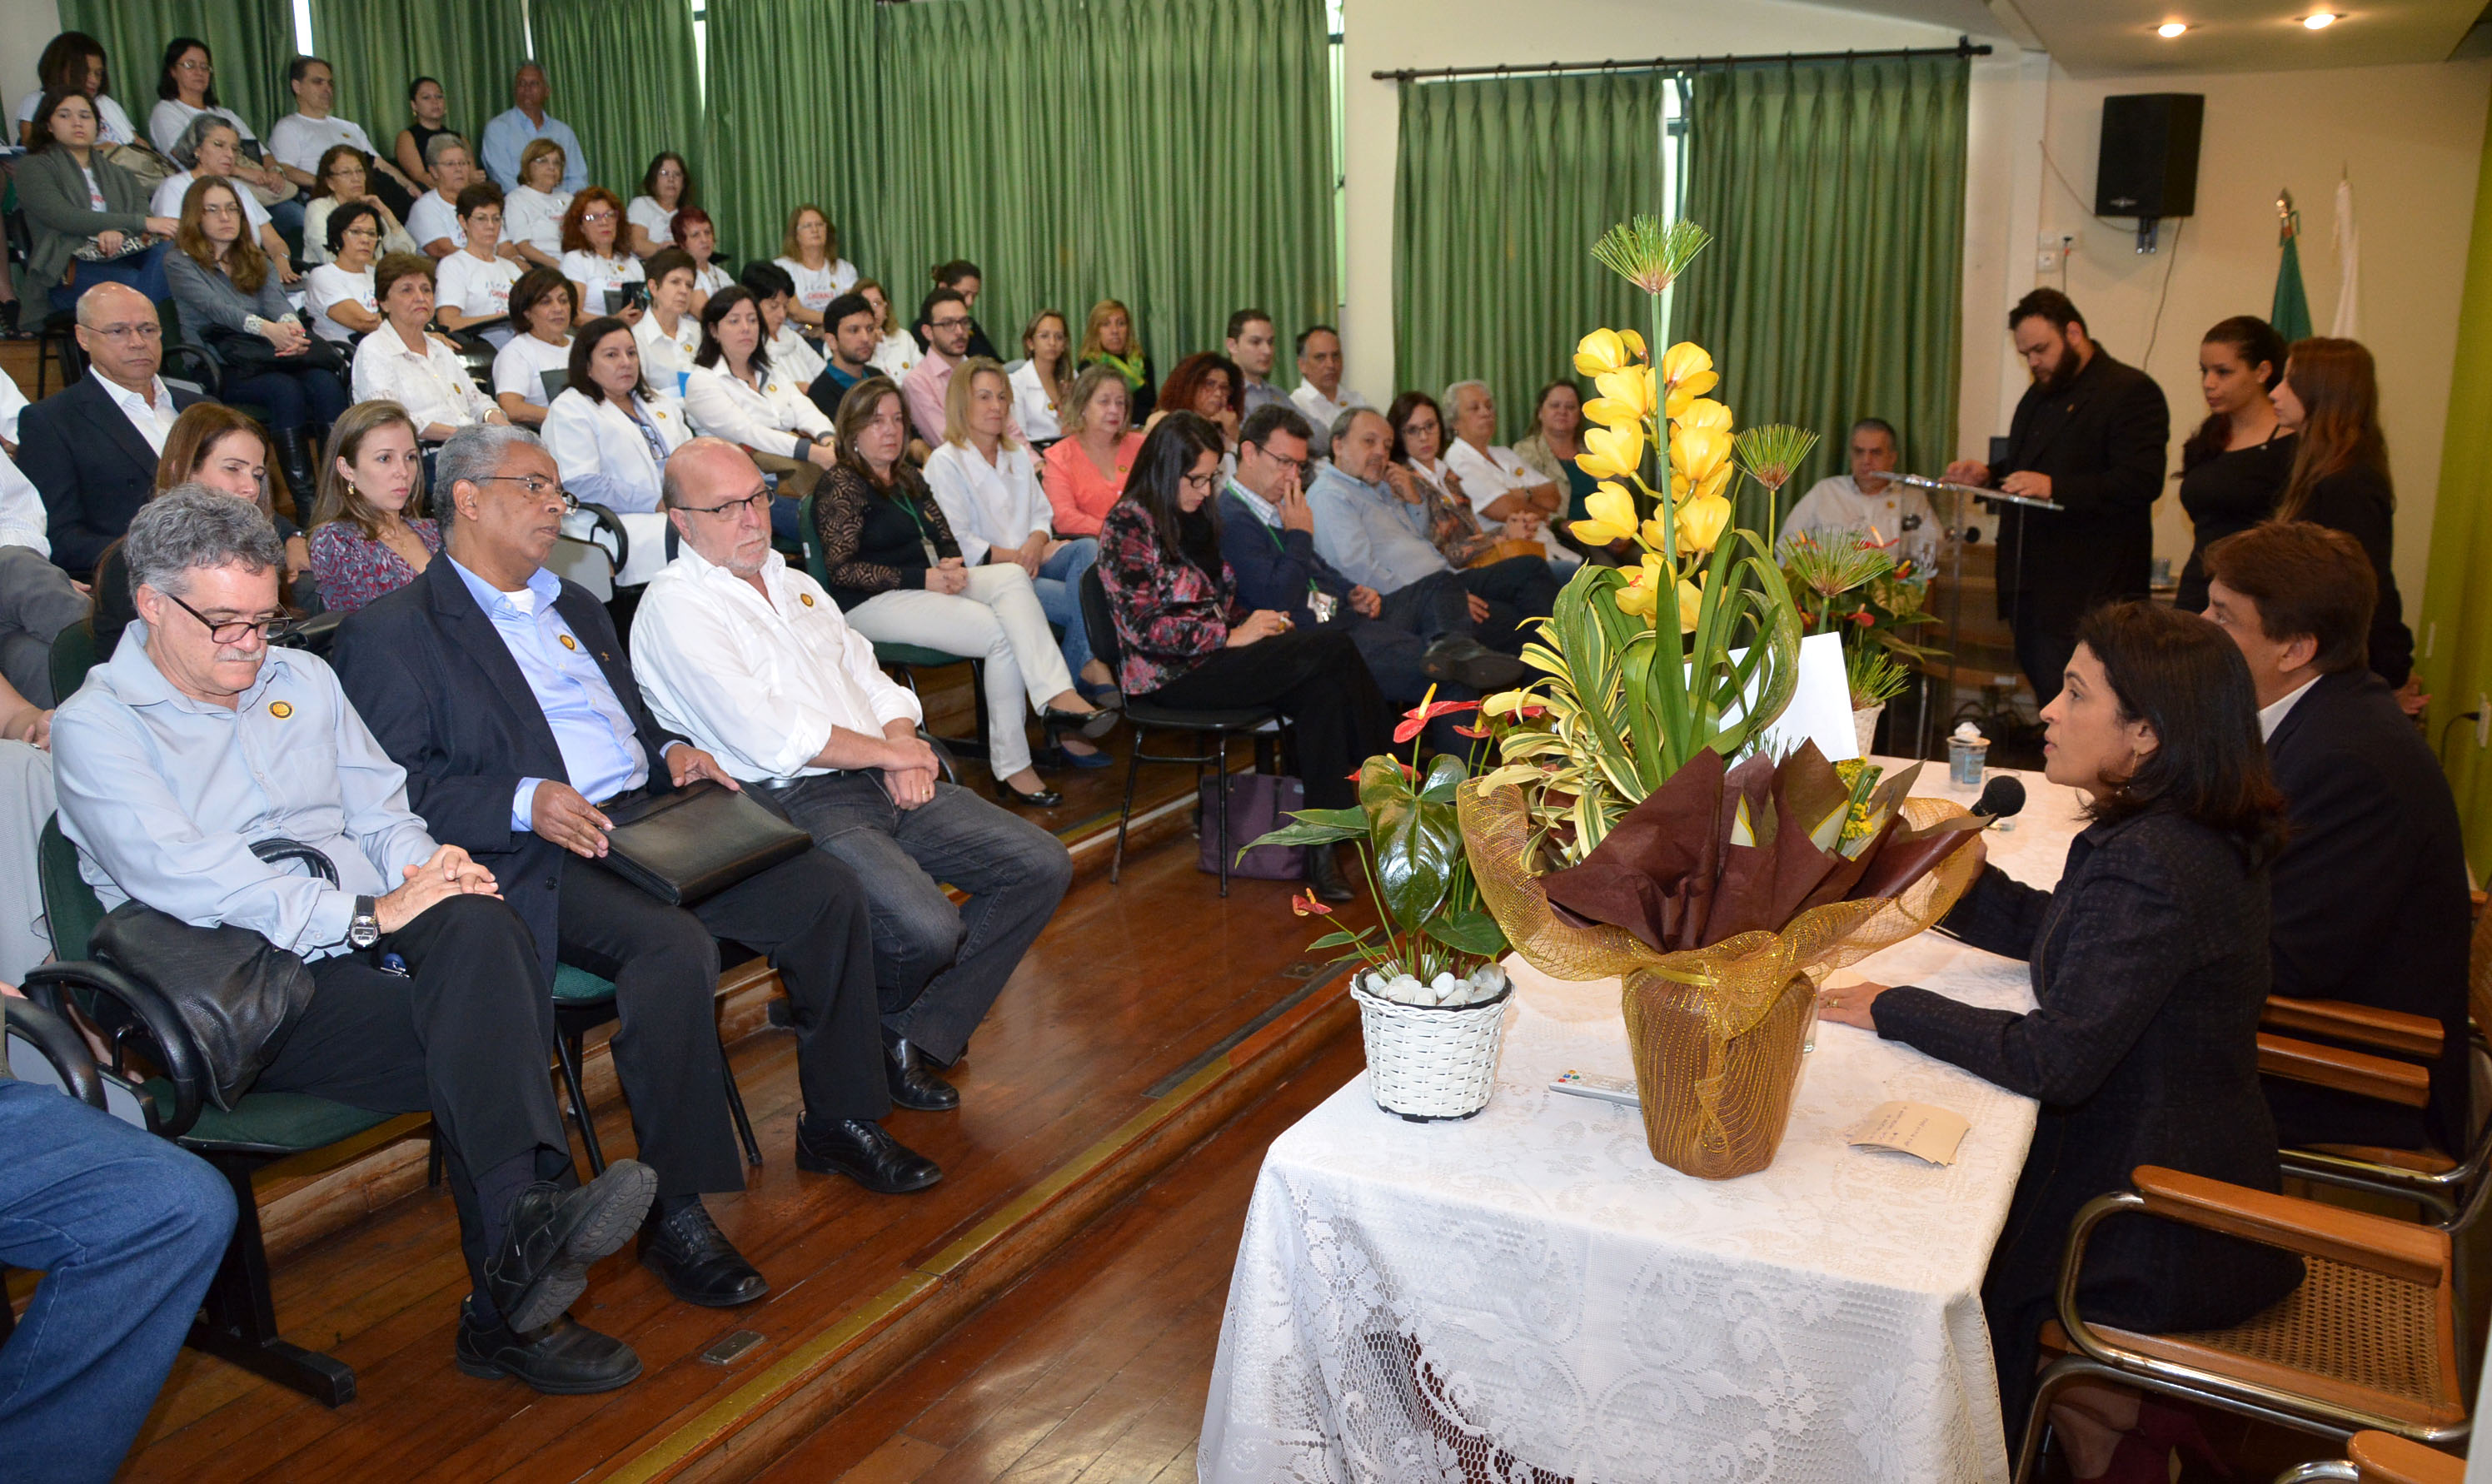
(1529, 1295)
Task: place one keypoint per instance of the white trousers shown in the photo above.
(997, 619)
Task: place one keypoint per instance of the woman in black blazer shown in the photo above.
(2330, 398)
(2150, 965)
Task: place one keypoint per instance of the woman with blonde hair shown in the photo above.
(1108, 339)
(2330, 399)
(368, 539)
(810, 252)
(1086, 468)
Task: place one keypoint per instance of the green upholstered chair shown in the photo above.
(581, 1003)
(74, 654)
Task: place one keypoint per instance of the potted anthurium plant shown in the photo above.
(1852, 582)
(1429, 990)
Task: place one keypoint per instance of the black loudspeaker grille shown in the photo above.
(2150, 155)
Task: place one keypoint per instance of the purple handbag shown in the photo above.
(1259, 803)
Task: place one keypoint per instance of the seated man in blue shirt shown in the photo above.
(197, 741)
(508, 698)
(507, 135)
(1371, 525)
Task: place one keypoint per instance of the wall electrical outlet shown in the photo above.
(2052, 248)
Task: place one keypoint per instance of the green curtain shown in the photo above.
(378, 47)
(790, 124)
(1504, 184)
(251, 40)
(1835, 196)
(622, 129)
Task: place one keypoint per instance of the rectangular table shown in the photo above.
(1529, 1295)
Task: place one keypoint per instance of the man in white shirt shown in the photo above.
(752, 662)
(1254, 345)
(91, 448)
(509, 134)
(1868, 501)
(297, 141)
(1319, 396)
(433, 220)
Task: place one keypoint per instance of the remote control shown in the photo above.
(1600, 1088)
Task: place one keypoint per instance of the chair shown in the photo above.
(43, 1049)
(75, 652)
(1145, 717)
(907, 660)
(587, 561)
(581, 1003)
(56, 332)
(2382, 1458)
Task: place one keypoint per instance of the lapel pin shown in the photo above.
(279, 709)
(567, 642)
(806, 598)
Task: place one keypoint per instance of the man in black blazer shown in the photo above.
(504, 694)
(91, 448)
(2371, 897)
(2088, 436)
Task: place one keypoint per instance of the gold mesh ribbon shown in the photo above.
(1715, 1032)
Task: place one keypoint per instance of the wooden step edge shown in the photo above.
(741, 1434)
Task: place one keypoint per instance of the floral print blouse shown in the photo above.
(1171, 614)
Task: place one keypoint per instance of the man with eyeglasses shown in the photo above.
(947, 321)
(197, 741)
(92, 447)
(507, 696)
(751, 659)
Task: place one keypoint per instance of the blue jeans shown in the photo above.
(294, 399)
(127, 1230)
(141, 270)
(1059, 595)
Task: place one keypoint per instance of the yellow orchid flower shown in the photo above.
(1691, 597)
(1687, 365)
(1612, 453)
(1683, 489)
(1607, 350)
(1701, 524)
(1697, 452)
(1626, 397)
(1612, 512)
(1639, 598)
(1687, 411)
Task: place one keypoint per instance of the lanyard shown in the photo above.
(925, 538)
(1317, 600)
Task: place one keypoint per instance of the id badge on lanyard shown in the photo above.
(1321, 604)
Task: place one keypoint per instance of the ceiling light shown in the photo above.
(2319, 21)
(2170, 29)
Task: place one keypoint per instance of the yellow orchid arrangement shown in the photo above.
(1622, 703)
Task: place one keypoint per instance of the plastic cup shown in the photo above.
(1965, 762)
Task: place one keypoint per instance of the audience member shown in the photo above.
(1044, 378)
(2149, 962)
(344, 176)
(433, 220)
(544, 306)
(1253, 344)
(2234, 467)
(209, 149)
(1208, 386)
(849, 340)
(611, 432)
(1500, 484)
(1866, 501)
(368, 535)
(215, 448)
(2330, 399)
(427, 109)
(2370, 894)
(698, 235)
(1086, 468)
(27, 803)
(76, 201)
(401, 362)
(150, 748)
(897, 353)
(1419, 428)
(594, 258)
(36, 599)
(987, 482)
(558, 715)
(669, 334)
(666, 189)
(1188, 641)
(2088, 436)
(299, 142)
(1549, 448)
(185, 86)
(338, 294)
(752, 659)
(789, 352)
(809, 255)
(474, 288)
(1108, 339)
(533, 212)
(75, 62)
(127, 1230)
(946, 320)
(898, 576)
(734, 393)
(962, 277)
(509, 135)
(233, 309)
(1319, 394)
(91, 448)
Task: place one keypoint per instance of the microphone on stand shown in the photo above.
(2000, 798)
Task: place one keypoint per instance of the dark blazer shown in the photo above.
(2149, 964)
(1275, 574)
(2371, 902)
(2359, 502)
(91, 467)
(2101, 439)
(60, 217)
(438, 688)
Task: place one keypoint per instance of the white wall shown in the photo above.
(27, 25)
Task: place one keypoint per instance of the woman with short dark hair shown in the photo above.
(544, 306)
(666, 189)
(2150, 969)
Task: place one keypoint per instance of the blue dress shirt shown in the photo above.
(510, 132)
(601, 750)
(1369, 535)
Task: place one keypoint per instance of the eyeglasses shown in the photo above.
(1306, 467)
(947, 324)
(119, 335)
(597, 216)
(233, 631)
(540, 487)
(758, 499)
(1201, 484)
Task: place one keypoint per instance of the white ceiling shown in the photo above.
(2091, 37)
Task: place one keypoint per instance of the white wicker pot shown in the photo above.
(1430, 1062)
(1864, 725)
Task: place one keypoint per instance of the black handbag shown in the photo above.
(692, 843)
(243, 353)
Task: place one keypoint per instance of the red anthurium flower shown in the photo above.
(1470, 732)
(1420, 716)
(1305, 905)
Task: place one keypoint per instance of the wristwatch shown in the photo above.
(365, 930)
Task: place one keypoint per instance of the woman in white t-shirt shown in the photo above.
(344, 176)
(898, 350)
(74, 59)
(593, 256)
(209, 146)
(532, 214)
(338, 294)
(665, 187)
(810, 253)
(544, 306)
(185, 86)
(668, 336)
(473, 289)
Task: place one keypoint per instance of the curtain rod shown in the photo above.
(1965, 47)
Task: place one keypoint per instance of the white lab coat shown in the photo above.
(605, 461)
(770, 420)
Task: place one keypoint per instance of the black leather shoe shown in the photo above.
(565, 1358)
(912, 1078)
(1043, 798)
(863, 1153)
(1466, 661)
(1323, 875)
(1092, 725)
(555, 1234)
(695, 1261)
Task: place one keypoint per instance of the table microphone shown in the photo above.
(2001, 797)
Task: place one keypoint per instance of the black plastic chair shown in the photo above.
(1145, 717)
(581, 1003)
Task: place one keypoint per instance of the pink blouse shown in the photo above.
(1078, 492)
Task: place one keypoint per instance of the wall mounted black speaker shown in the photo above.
(2150, 155)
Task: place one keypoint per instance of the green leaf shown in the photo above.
(1472, 932)
(1446, 773)
(1416, 847)
(1346, 819)
(1339, 940)
(1304, 834)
